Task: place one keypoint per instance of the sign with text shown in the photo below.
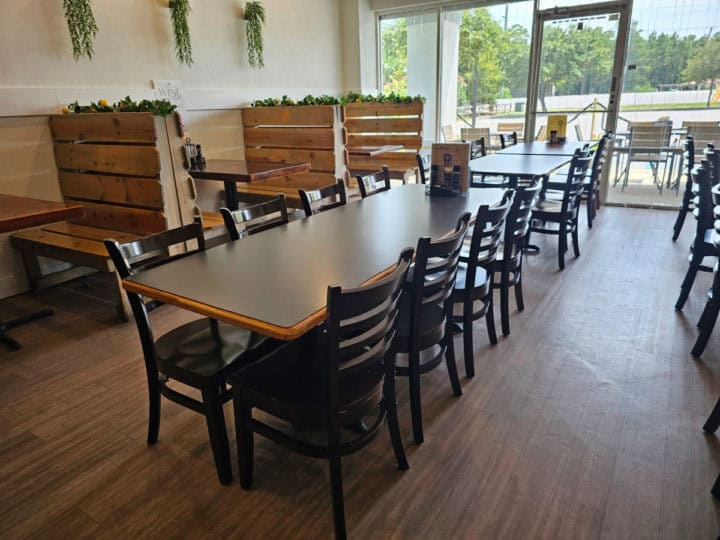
(171, 91)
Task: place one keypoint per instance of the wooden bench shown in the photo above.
(126, 169)
(378, 124)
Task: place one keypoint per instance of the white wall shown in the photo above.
(134, 45)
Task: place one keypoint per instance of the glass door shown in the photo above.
(578, 54)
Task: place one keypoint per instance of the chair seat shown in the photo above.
(194, 350)
(432, 324)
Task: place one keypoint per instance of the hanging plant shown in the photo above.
(255, 15)
(179, 11)
(81, 25)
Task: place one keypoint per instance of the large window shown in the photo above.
(485, 66)
(408, 49)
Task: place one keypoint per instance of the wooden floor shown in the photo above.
(585, 423)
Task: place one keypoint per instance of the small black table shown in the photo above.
(275, 283)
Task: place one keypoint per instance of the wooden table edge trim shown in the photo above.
(284, 333)
(31, 220)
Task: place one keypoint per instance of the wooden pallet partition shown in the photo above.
(377, 124)
(291, 134)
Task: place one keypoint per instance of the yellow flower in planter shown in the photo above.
(103, 103)
(276, 101)
(65, 110)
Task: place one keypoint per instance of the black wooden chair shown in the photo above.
(712, 155)
(686, 205)
(508, 264)
(702, 245)
(474, 282)
(200, 354)
(477, 147)
(711, 426)
(423, 161)
(564, 212)
(333, 378)
(256, 218)
(709, 316)
(426, 311)
(326, 198)
(370, 184)
(508, 139)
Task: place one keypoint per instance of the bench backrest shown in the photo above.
(121, 167)
(379, 124)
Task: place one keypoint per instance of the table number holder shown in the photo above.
(449, 172)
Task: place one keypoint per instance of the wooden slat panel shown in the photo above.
(145, 192)
(89, 233)
(408, 162)
(413, 142)
(354, 110)
(320, 160)
(310, 180)
(79, 251)
(104, 127)
(384, 125)
(122, 218)
(103, 158)
(322, 138)
(321, 115)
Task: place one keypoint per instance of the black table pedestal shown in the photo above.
(231, 195)
(9, 325)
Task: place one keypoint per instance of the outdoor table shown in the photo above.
(275, 283)
(539, 148)
(20, 213)
(231, 171)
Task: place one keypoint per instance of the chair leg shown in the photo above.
(679, 221)
(450, 356)
(244, 439)
(393, 422)
(562, 246)
(576, 241)
(713, 422)
(707, 323)
(590, 208)
(490, 319)
(468, 351)
(218, 433)
(336, 483)
(415, 402)
(716, 488)
(154, 402)
(687, 284)
(505, 305)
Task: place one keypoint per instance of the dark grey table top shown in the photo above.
(276, 282)
(520, 165)
(544, 149)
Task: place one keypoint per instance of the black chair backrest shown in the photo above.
(689, 156)
(423, 161)
(712, 155)
(436, 264)
(326, 198)
(702, 187)
(487, 234)
(477, 148)
(255, 218)
(374, 183)
(508, 139)
(518, 219)
(150, 252)
(361, 328)
(575, 183)
(599, 159)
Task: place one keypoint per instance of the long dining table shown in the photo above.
(540, 148)
(275, 282)
(518, 166)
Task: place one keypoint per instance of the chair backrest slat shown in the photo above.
(322, 199)
(256, 218)
(370, 184)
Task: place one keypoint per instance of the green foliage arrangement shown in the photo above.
(179, 11)
(255, 16)
(81, 25)
(351, 97)
(160, 107)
